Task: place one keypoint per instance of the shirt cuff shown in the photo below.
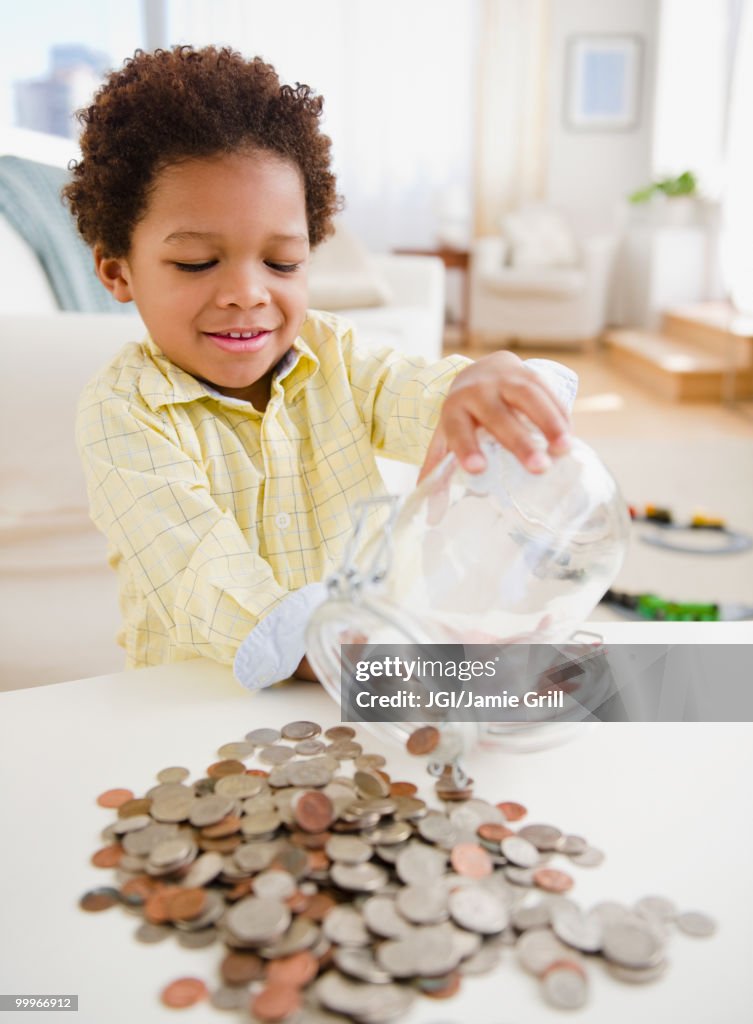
(273, 650)
(560, 379)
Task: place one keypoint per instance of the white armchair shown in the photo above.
(539, 304)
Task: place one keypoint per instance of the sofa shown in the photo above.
(58, 596)
(537, 283)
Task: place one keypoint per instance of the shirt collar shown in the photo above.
(163, 383)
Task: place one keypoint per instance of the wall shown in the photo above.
(590, 173)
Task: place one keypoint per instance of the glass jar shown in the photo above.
(501, 557)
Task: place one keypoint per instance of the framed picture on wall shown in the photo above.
(603, 82)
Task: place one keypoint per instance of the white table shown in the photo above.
(670, 805)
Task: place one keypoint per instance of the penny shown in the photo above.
(313, 811)
(276, 1002)
(449, 988)
(340, 732)
(229, 766)
(133, 807)
(512, 811)
(184, 992)
(423, 741)
(241, 968)
(552, 880)
(494, 833)
(403, 789)
(224, 827)
(113, 798)
(187, 904)
(296, 970)
(99, 899)
(471, 860)
(108, 856)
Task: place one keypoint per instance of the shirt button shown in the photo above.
(282, 519)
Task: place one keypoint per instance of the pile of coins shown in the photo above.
(339, 894)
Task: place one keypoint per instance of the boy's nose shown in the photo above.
(242, 287)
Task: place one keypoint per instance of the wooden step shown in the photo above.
(677, 369)
(714, 326)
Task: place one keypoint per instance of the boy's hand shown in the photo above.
(491, 393)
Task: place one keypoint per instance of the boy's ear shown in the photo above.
(114, 275)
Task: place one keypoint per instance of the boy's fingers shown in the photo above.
(434, 454)
(543, 409)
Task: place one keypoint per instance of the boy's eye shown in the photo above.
(192, 268)
(284, 268)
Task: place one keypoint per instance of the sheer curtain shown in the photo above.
(397, 79)
(737, 238)
(512, 85)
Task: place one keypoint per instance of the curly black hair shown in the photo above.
(183, 103)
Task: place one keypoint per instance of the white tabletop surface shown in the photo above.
(670, 805)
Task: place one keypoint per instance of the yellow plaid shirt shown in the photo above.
(216, 513)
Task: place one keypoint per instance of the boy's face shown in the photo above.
(222, 249)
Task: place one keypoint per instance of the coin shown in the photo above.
(151, 933)
(494, 833)
(313, 811)
(296, 970)
(238, 968)
(478, 909)
(632, 944)
(99, 899)
(543, 837)
(423, 741)
(552, 880)
(565, 986)
(236, 751)
(187, 904)
(403, 789)
(263, 737)
(340, 732)
(258, 920)
(520, 851)
(694, 923)
(174, 774)
(471, 860)
(108, 856)
(112, 798)
(588, 858)
(637, 975)
(184, 992)
(512, 811)
(538, 948)
(300, 730)
(309, 748)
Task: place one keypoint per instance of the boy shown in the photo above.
(223, 453)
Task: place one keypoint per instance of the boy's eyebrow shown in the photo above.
(187, 236)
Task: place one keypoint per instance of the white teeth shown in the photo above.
(248, 334)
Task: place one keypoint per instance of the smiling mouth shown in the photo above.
(240, 341)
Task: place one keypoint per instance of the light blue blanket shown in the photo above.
(30, 200)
